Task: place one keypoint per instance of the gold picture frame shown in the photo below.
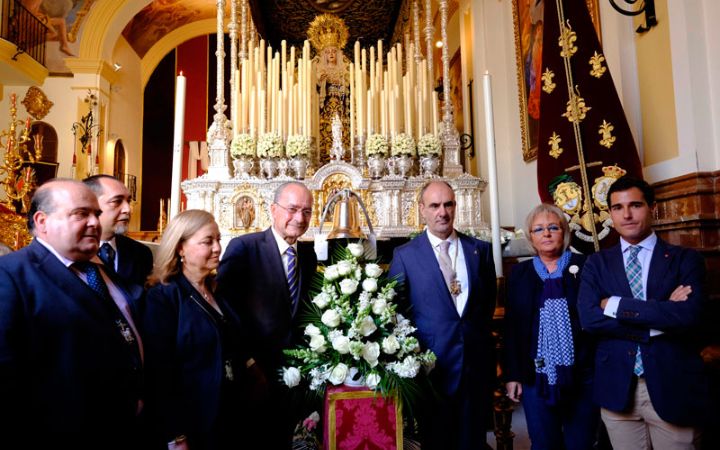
(527, 24)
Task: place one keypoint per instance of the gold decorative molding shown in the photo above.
(92, 66)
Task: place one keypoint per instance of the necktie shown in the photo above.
(107, 254)
(97, 284)
(633, 270)
(292, 276)
(446, 265)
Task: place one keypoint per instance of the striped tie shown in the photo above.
(292, 275)
(633, 270)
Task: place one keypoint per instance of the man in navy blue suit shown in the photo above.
(266, 277)
(131, 260)
(70, 355)
(643, 299)
(448, 279)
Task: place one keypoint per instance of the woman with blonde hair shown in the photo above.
(195, 358)
(549, 359)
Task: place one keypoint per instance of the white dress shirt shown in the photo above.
(282, 247)
(457, 257)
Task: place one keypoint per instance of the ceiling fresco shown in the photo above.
(368, 20)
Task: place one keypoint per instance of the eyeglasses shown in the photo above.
(551, 228)
(292, 210)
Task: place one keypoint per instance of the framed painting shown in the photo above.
(528, 26)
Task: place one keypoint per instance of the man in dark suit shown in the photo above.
(131, 260)
(266, 277)
(643, 299)
(70, 356)
(449, 280)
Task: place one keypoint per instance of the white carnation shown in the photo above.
(317, 343)
(348, 286)
(322, 300)
(356, 249)
(331, 318)
(338, 374)
(367, 326)
(312, 330)
(344, 267)
(379, 306)
(291, 376)
(341, 344)
(331, 273)
(390, 344)
(369, 284)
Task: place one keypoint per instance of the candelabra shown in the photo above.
(87, 126)
(19, 180)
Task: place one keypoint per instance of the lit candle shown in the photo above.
(178, 142)
(492, 173)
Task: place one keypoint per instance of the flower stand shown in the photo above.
(358, 418)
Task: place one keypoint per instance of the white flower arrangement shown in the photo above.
(297, 145)
(270, 145)
(243, 145)
(353, 325)
(376, 145)
(402, 144)
(429, 145)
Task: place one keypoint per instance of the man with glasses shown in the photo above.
(266, 276)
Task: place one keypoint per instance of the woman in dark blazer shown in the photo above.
(548, 363)
(195, 358)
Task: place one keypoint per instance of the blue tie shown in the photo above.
(107, 254)
(633, 270)
(292, 276)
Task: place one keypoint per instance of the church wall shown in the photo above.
(125, 118)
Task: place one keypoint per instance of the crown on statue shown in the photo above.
(328, 30)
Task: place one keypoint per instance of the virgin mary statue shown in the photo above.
(328, 36)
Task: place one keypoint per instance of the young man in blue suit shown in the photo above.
(266, 277)
(448, 279)
(70, 355)
(131, 260)
(643, 299)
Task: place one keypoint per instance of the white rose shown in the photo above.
(338, 374)
(390, 344)
(341, 344)
(331, 273)
(331, 318)
(291, 376)
(373, 270)
(369, 284)
(371, 352)
(348, 286)
(321, 300)
(312, 330)
(372, 380)
(356, 249)
(317, 343)
(344, 267)
(367, 326)
(379, 306)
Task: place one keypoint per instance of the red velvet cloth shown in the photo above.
(369, 422)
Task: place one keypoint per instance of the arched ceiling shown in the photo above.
(367, 20)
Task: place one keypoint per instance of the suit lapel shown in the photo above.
(617, 271)
(273, 265)
(124, 259)
(427, 253)
(472, 265)
(659, 264)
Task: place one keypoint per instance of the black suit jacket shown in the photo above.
(524, 288)
(67, 378)
(252, 278)
(463, 344)
(135, 260)
(674, 371)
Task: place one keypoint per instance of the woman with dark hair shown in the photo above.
(549, 360)
(195, 360)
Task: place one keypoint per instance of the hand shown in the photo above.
(514, 390)
(258, 383)
(680, 294)
(603, 303)
(179, 446)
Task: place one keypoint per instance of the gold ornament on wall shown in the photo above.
(37, 103)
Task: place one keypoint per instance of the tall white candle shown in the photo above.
(178, 142)
(492, 173)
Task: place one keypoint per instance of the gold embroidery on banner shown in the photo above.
(554, 143)
(567, 41)
(548, 85)
(607, 138)
(576, 108)
(601, 186)
(596, 61)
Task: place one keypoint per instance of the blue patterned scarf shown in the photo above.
(555, 350)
